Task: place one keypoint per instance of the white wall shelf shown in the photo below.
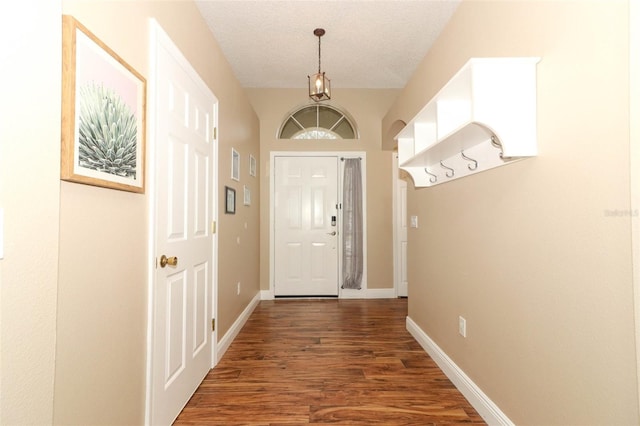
(486, 113)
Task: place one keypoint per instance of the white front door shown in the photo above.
(184, 111)
(306, 231)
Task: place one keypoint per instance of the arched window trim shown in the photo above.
(291, 116)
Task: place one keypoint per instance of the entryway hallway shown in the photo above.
(327, 361)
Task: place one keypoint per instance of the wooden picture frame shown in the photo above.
(103, 113)
(230, 200)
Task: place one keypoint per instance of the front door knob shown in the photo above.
(171, 261)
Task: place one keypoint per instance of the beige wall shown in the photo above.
(75, 259)
(29, 192)
(536, 255)
(367, 107)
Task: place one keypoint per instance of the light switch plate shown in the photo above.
(414, 221)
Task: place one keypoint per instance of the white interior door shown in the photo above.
(306, 237)
(184, 120)
(400, 220)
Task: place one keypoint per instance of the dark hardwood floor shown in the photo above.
(348, 362)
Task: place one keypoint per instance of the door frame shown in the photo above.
(158, 37)
(397, 221)
(342, 293)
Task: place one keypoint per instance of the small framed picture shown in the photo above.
(230, 200)
(252, 165)
(235, 164)
(247, 196)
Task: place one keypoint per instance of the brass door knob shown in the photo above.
(171, 261)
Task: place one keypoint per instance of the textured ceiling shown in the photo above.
(368, 43)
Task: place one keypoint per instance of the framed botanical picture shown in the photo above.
(252, 165)
(230, 200)
(103, 113)
(235, 164)
(247, 196)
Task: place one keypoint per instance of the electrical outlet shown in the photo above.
(238, 288)
(462, 326)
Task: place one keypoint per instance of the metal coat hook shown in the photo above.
(497, 144)
(433, 178)
(475, 163)
(450, 170)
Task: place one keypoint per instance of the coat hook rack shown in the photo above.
(433, 178)
(450, 173)
(475, 163)
(496, 143)
(487, 109)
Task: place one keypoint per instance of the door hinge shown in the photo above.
(215, 133)
(213, 226)
(213, 324)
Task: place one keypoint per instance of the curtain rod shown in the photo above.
(350, 158)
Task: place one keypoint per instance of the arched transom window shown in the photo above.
(318, 121)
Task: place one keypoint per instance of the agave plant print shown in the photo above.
(103, 114)
(107, 132)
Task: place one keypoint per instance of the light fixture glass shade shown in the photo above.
(319, 87)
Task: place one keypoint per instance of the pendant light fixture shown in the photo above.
(319, 84)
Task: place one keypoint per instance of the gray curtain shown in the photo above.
(352, 225)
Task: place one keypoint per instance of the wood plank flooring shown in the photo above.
(347, 362)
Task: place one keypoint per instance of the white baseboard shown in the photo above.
(478, 399)
(231, 334)
(374, 293)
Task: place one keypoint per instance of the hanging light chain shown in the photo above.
(319, 54)
(319, 32)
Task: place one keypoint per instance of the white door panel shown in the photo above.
(184, 111)
(306, 252)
